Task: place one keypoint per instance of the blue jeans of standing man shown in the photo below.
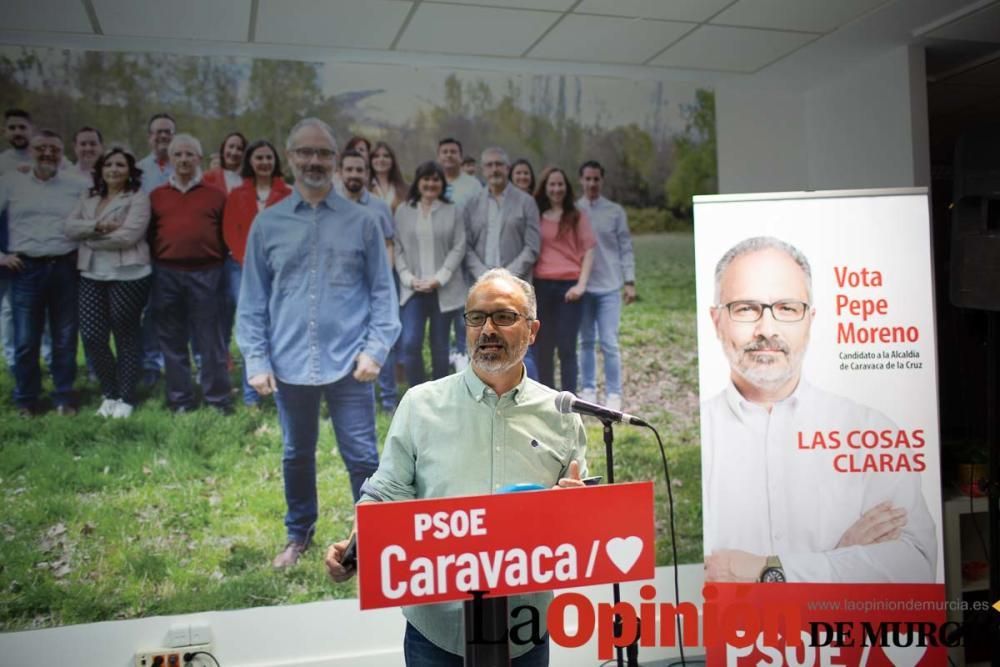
(152, 358)
(45, 289)
(414, 315)
(388, 392)
(418, 651)
(6, 323)
(600, 318)
(234, 274)
(352, 412)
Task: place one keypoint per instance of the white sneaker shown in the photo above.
(107, 407)
(122, 410)
(589, 395)
(461, 361)
(614, 402)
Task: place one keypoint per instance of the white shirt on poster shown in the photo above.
(761, 493)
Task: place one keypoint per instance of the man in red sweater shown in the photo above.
(185, 240)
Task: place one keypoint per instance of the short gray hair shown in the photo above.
(496, 150)
(505, 275)
(310, 122)
(183, 138)
(757, 244)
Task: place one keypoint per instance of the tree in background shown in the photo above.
(695, 169)
(281, 92)
(647, 166)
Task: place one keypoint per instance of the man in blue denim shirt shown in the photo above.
(317, 316)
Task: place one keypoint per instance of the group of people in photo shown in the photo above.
(82, 241)
(157, 264)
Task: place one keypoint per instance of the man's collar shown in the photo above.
(479, 389)
(172, 180)
(50, 179)
(331, 200)
(507, 188)
(739, 404)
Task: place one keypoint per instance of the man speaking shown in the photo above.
(777, 508)
(473, 433)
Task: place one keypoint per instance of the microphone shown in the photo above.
(566, 403)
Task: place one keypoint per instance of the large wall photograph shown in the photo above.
(159, 513)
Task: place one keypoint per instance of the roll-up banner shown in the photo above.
(819, 428)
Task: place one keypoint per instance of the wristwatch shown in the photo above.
(772, 572)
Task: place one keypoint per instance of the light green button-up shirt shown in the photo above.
(456, 437)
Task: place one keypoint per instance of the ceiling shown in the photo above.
(704, 40)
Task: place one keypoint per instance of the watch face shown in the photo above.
(772, 575)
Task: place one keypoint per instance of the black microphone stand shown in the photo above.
(633, 649)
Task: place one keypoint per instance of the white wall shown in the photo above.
(761, 139)
(864, 128)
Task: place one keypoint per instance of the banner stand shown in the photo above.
(486, 631)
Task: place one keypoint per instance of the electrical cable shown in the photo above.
(673, 542)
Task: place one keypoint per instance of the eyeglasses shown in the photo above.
(783, 311)
(307, 153)
(43, 149)
(497, 163)
(501, 318)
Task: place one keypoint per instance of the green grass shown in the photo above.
(164, 514)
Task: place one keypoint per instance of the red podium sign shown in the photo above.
(423, 551)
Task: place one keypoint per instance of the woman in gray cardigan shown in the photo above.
(115, 275)
(429, 247)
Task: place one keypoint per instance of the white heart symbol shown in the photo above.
(904, 656)
(624, 551)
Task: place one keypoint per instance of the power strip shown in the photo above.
(174, 657)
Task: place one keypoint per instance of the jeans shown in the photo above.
(601, 315)
(186, 303)
(352, 413)
(234, 274)
(419, 651)
(388, 392)
(459, 324)
(6, 323)
(45, 290)
(560, 324)
(7, 328)
(530, 367)
(414, 315)
(152, 358)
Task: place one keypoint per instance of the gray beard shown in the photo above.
(495, 363)
(315, 181)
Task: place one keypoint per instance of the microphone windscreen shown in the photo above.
(564, 402)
